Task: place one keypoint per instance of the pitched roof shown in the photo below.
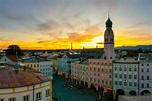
(12, 77)
(13, 58)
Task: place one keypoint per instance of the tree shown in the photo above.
(13, 50)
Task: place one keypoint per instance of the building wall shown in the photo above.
(6, 60)
(100, 73)
(18, 93)
(75, 71)
(145, 76)
(34, 65)
(125, 77)
(84, 72)
(46, 68)
(54, 63)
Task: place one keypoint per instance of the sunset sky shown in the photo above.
(54, 24)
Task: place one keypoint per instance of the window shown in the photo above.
(102, 70)
(115, 68)
(98, 75)
(142, 64)
(26, 98)
(125, 76)
(135, 83)
(109, 70)
(120, 83)
(94, 80)
(115, 75)
(98, 69)
(135, 76)
(142, 85)
(47, 93)
(90, 79)
(142, 70)
(147, 64)
(147, 85)
(142, 77)
(94, 74)
(102, 81)
(135, 69)
(94, 69)
(120, 69)
(130, 83)
(38, 96)
(125, 83)
(12, 99)
(116, 83)
(125, 69)
(130, 76)
(129, 69)
(147, 69)
(109, 76)
(1, 99)
(106, 82)
(120, 75)
(98, 81)
(147, 77)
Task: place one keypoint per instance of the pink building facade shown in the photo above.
(75, 71)
(100, 74)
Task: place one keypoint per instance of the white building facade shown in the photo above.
(41, 93)
(145, 74)
(46, 67)
(125, 76)
(24, 84)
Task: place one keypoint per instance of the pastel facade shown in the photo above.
(84, 72)
(64, 62)
(42, 66)
(25, 84)
(125, 76)
(100, 74)
(46, 67)
(75, 71)
(145, 74)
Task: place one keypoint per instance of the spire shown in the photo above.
(108, 22)
(108, 15)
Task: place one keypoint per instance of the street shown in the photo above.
(68, 93)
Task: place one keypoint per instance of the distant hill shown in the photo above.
(144, 47)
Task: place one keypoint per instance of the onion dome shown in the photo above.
(108, 23)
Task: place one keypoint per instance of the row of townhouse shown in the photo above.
(125, 76)
(42, 66)
(93, 73)
(132, 76)
(64, 62)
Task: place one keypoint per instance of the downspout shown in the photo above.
(33, 92)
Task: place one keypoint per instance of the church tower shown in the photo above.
(109, 53)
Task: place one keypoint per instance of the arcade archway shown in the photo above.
(144, 92)
(132, 92)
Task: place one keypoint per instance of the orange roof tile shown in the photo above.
(12, 58)
(10, 77)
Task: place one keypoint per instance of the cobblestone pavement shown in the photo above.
(66, 93)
